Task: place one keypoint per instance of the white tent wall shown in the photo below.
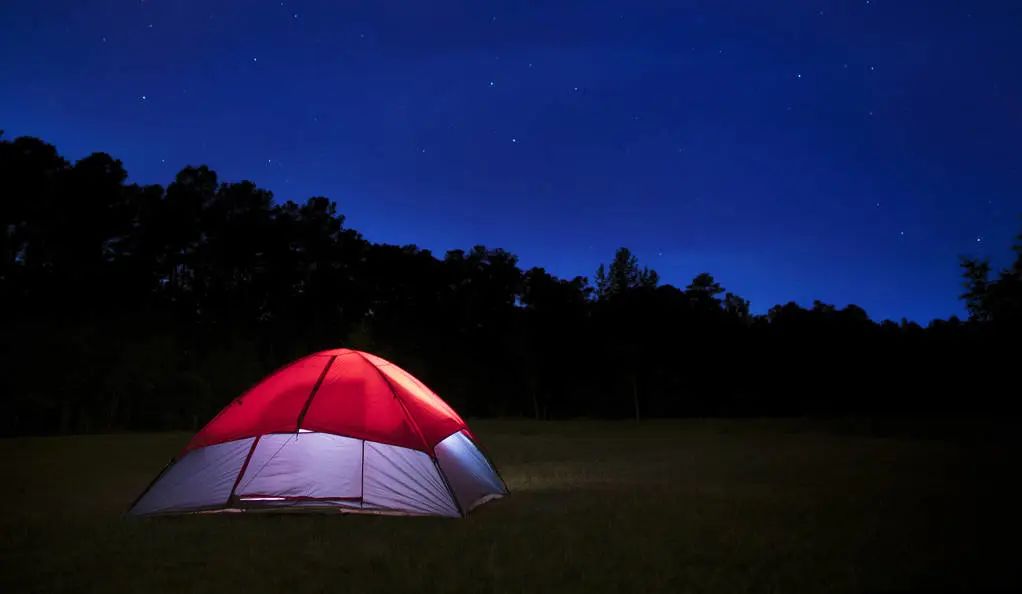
(470, 474)
(405, 480)
(319, 469)
(304, 465)
(202, 479)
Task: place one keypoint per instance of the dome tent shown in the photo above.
(339, 429)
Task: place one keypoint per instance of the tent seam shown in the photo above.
(312, 394)
(241, 471)
(404, 408)
(429, 451)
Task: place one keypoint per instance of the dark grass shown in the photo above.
(673, 506)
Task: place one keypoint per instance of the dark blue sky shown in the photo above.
(845, 151)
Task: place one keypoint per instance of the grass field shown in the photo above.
(672, 506)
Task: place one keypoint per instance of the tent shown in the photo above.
(338, 430)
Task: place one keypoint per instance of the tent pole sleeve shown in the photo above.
(244, 467)
(450, 491)
(315, 388)
(404, 409)
(429, 450)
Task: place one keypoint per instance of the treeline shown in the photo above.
(144, 307)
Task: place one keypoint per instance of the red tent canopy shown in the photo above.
(340, 391)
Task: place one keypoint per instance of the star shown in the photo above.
(491, 83)
(514, 140)
(902, 234)
(979, 240)
(255, 59)
(798, 75)
(576, 89)
(143, 98)
(103, 39)
(295, 15)
(872, 68)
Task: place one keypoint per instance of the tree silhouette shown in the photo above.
(977, 285)
(143, 307)
(999, 300)
(703, 291)
(623, 274)
(737, 307)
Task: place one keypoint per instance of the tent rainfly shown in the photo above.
(339, 430)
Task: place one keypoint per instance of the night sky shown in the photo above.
(848, 152)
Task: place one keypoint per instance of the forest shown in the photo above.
(128, 307)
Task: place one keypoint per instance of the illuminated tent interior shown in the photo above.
(336, 430)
